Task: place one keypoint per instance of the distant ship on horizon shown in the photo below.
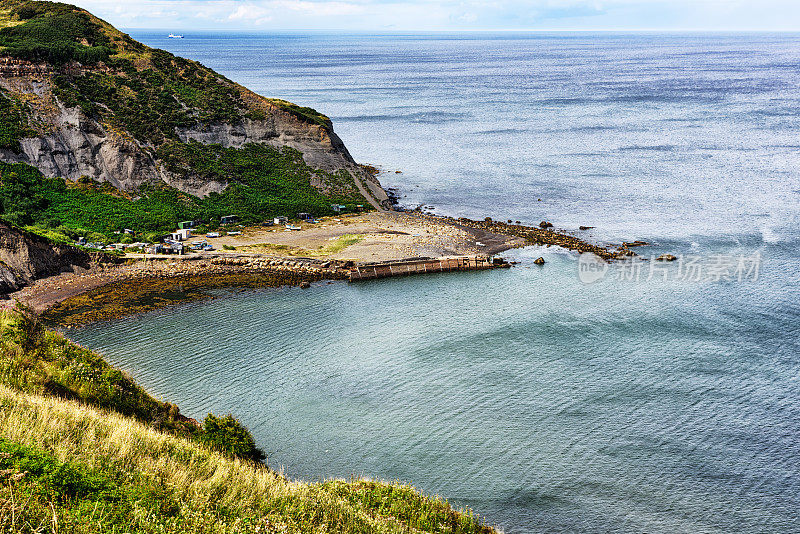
(173, 36)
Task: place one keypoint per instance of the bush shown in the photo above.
(227, 435)
(54, 33)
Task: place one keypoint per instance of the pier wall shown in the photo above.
(372, 271)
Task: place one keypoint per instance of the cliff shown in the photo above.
(81, 99)
(25, 257)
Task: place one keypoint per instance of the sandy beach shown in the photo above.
(376, 236)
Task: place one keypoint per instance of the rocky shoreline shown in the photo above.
(146, 285)
(545, 236)
(107, 291)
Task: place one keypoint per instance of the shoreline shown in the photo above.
(105, 292)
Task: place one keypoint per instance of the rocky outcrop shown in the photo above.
(25, 257)
(75, 145)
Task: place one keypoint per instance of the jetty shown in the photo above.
(386, 269)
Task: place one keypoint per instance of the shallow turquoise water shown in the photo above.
(546, 404)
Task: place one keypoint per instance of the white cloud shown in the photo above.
(318, 9)
(251, 13)
(450, 14)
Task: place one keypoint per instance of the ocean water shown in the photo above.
(656, 399)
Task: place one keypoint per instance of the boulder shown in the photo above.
(545, 224)
(666, 257)
(538, 261)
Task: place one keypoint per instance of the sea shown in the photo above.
(571, 397)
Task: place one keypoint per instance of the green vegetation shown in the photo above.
(13, 123)
(150, 104)
(67, 467)
(303, 113)
(84, 450)
(340, 244)
(227, 435)
(56, 33)
(268, 182)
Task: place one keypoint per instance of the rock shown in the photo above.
(305, 285)
(585, 227)
(666, 257)
(26, 257)
(545, 224)
(636, 243)
(539, 261)
(488, 219)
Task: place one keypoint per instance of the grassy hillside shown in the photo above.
(147, 90)
(83, 449)
(146, 95)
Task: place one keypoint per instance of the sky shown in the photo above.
(449, 15)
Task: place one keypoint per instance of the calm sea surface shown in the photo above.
(654, 401)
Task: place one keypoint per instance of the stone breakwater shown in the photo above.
(371, 271)
(293, 270)
(547, 237)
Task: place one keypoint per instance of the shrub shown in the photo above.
(227, 435)
(55, 33)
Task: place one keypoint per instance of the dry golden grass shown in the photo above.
(203, 482)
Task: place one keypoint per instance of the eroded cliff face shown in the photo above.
(25, 257)
(71, 144)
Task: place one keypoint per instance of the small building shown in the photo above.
(180, 235)
(281, 220)
(229, 219)
(305, 216)
(338, 208)
(186, 225)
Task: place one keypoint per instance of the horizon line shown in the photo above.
(489, 30)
